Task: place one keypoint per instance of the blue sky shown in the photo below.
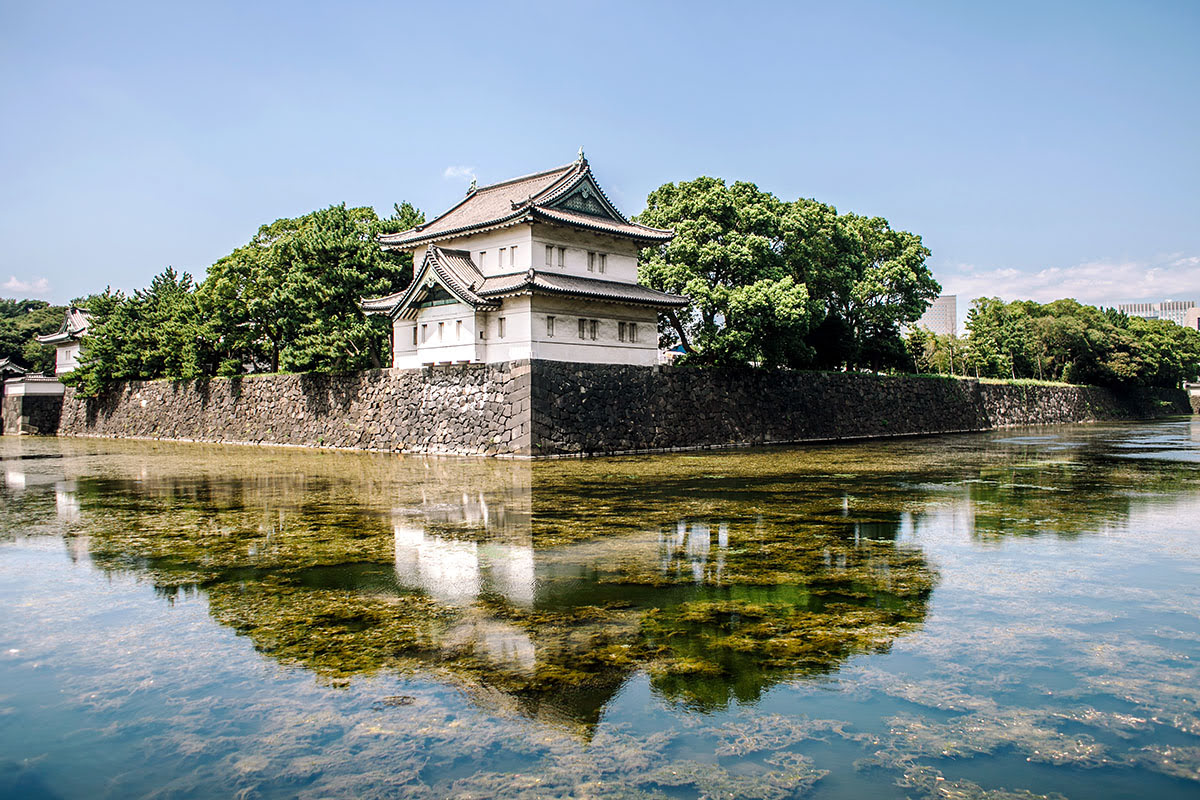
(1040, 149)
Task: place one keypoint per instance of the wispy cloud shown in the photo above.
(1101, 283)
(459, 173)
(38, 287)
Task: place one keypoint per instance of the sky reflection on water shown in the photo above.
(929, 617)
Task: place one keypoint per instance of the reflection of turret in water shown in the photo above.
(66, 501)
(543, 598)
(458, 572)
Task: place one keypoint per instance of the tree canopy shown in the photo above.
(285, 301)
(1062, 341)
(20, 322)
(783, 283)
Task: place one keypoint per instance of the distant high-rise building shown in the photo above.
(942, 316)
(1173, 310)
(1192, 320)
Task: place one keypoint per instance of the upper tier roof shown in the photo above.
(567, 195)
(454, 270)
(73, 328)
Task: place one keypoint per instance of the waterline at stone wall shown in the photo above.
(549, 409)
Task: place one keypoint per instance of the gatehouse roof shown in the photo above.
(566, 195)
(74, 327)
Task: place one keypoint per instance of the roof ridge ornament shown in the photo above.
(474, 187)
(582, 159)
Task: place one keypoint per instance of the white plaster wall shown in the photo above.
(490, 243)
(606, 348)
(66, 358)
(531, 242)
(622, 253)
(18, 387)
(526, 333)
(515, 344)
(451, 346)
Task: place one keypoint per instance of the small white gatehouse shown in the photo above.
(68, 338)
(537, 267)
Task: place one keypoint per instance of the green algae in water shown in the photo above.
(732, 590)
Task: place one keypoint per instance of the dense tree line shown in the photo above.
(1061, 341)
(782, 283)
(772, 282)
(20, 322)
(285, 301)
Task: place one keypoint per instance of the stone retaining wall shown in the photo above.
(30, 413)
(474, 409)
(549, 408)
(601, 408)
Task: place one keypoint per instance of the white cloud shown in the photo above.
(1099, 283)
(38, 287)
(464, 173)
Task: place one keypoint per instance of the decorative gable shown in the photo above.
(586, 198)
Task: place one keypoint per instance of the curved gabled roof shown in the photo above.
(567, 195)
(453, 269)
(457, 273)
(74, 327)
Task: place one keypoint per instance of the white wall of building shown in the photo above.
(19, 387)
(456, 334)
(608, 346)
(520, 329)
(444, 335)
(530, 241)
(621, 255)
(66, 358)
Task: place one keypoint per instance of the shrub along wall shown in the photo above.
(549, 408)
(475, 409)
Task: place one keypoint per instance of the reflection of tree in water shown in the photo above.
(444, 577)
(542, 588)
(1065, 498)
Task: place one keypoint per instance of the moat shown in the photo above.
(1005, 615)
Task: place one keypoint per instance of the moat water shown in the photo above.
(1009, 615)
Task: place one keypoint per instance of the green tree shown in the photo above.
(20, 322)
(156, 332)
(784, 284)
(1067, 341)
(1002, 342)
(728, 256)
(288, 300)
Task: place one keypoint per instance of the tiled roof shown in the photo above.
(629, 229)
(74, 327)
(7, 365)
(539, 282)
(458, 274)
(519, 200)
(455, 270)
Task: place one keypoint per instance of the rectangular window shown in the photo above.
(512, 255)
(603, 263)
(633, 331)
(591, 262)
(414, 335)
(562, 257)
(549, 256)
(424, 333)
(500, 263)
(482, 259)
(595, 325)
(441, 331)
(502, 326)
(458, 331)
(550, 327)
(620, 331)
(582, 328)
